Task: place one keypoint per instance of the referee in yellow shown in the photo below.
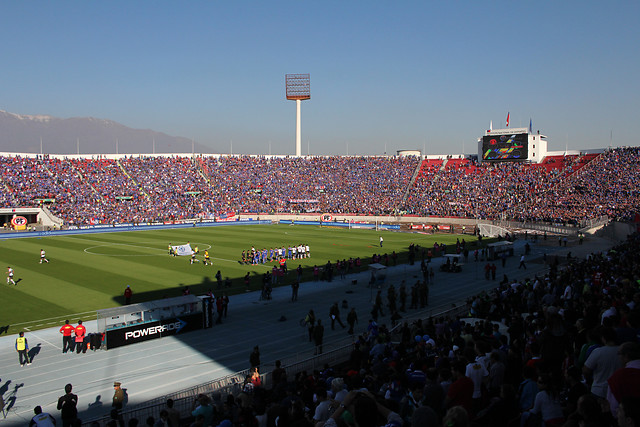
(22, 347)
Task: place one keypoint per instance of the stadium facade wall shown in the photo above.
(616, 231)
(380, 219)
(44, 217)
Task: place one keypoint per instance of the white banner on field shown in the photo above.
(182, 250)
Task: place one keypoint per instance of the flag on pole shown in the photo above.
(507, 119)
(530, 126)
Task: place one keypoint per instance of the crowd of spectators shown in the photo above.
(560, 349)
(570, 193)
(164, 188)
(175, 186)
(361, 185)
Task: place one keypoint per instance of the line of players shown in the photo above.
(253, 256)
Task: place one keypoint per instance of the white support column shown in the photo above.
(298, 129)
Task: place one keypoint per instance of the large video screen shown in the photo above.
(505, 147)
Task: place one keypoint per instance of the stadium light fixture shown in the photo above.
(298, 88)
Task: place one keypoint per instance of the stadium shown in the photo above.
(435, 229)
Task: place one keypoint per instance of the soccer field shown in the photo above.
(90, 271)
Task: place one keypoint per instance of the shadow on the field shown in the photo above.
(229, 285)
(254, 280)
(179, 290)
(11, 400)
(4, 329)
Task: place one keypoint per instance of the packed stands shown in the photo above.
(558, 324)
(572, 190)
(566, 189)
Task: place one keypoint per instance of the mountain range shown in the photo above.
(86, 135)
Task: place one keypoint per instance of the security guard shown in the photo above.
(22, 347)
(118, 396)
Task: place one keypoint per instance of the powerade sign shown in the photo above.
(153, 330)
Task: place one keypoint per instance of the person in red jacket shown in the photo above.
(66, 331)
(80, 332)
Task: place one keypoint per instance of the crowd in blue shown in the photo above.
(136, 189)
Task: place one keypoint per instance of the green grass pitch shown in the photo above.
(90, 271)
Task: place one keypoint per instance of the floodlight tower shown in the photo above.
(298, 89)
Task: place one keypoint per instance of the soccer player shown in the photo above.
(10, 280)
(43, 257)
(207, 259)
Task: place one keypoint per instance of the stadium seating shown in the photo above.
(159, 188)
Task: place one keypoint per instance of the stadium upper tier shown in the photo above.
(160, 188)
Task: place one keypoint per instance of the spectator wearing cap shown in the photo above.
(455, 352)
(118, 396)
(117, 404)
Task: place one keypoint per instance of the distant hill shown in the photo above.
(22, 133)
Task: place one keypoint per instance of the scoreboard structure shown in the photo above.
(512, 145)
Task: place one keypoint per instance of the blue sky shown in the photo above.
(384, 74)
